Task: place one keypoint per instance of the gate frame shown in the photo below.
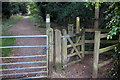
(47, 57)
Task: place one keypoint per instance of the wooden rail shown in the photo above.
(103, 35)
(97, 51)
(105, 63)
(102, 41)
(107, 48)
(93, 30)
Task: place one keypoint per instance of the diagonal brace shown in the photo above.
(74, 47)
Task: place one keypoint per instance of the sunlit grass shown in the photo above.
(7, 42)
(7, 24)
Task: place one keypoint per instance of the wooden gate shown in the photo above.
(68, 43)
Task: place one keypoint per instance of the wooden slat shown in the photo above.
(93, 30)
(103, 35)
(89, 52)
(76, 44)
(104, 63)
(71, 63)
(74, 47)
(86, 52)
(70, 55)
(109, 41)
(102, 41)
(89, 41)
(107, 48)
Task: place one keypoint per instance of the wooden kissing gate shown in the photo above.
(68, 43)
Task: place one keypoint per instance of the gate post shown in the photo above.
(70, 29)
(58, 60)
(47, 21)
(96, 54)
(64, 48)
(50, 50)
(83, 44)
(77, 24)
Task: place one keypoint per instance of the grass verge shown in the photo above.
(7, 24)
(7, 42)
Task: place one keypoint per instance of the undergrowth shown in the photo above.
(114, 72)
(8, 23)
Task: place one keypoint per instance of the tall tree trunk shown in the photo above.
(96, 23)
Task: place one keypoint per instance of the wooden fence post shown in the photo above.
(83, 44)
(58, 49)
(70, 29)
(64, 48)
(47, 21)
(50, 50)
(96, 54)
(77, 24)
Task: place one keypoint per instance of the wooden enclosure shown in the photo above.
(65, 44)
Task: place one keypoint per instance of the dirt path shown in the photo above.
(24, 27)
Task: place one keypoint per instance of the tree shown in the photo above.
(9, 8)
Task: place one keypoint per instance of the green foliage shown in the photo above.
(6, 9)
(33, 9)
(113, 18)
(11, 8)
(64, 13)
(67, 12)
(113, 23)
(115, 71)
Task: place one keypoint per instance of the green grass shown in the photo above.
(8, 23)
(7, 42)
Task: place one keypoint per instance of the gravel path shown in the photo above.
(24, 27)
